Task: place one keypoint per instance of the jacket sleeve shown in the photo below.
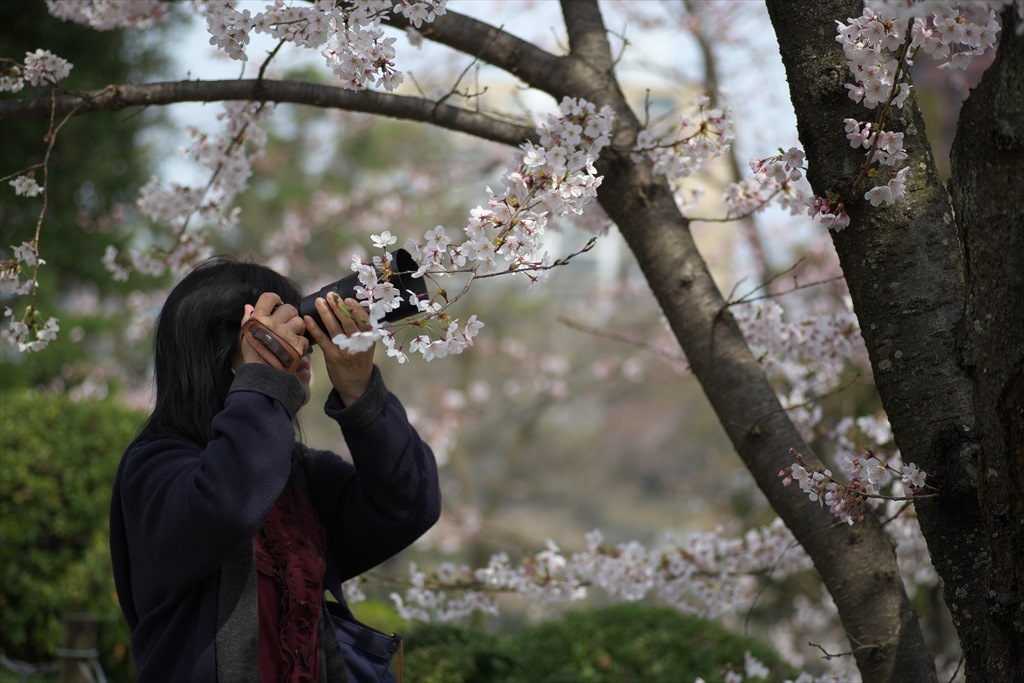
(389, 496)
(188, 506)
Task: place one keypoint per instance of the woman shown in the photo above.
(223, 525)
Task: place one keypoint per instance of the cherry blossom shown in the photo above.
(193, 211)
(553, 178)
(694, 139)
(831, 214)
(703, 573)
(26, 186)
(40, 68)
(847, 501)
(778, 178)
(891, 192)
(31, 332)
(105, 15)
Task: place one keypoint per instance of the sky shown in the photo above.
(751, 67)
(752, 77)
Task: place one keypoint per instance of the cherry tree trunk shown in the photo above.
(857, 564)
(921, 302)
(988, 195)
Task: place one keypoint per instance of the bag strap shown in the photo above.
(332, 581)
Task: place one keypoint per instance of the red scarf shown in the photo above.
(290, 566)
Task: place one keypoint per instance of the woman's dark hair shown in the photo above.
(197, 341)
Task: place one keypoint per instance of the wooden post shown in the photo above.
(78, 648)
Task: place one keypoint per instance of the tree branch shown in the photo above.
(118, 97)
(588, 39)
(490, 44)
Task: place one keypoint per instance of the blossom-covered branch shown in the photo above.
(32, 330)
(552, 178)
(847, 500)
(701, 573)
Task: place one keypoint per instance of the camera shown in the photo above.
(402, 266)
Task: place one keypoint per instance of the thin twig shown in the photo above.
(957, 670)
(604, 334)
(794, 288)
(903, 508)
(266, 62)
(763, 285)
(830, 655)
(740, 217)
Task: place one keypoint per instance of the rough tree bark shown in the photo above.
(988, 194)
(911, 288)
(905, 271)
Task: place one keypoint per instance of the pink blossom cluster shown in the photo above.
(32, 331)
(105, 15)
(357, 50)
(553, 178)
(706, 573)
(877, 52)
(952, 31)
(194, 211)
(847, 500)
(777, 178)
(41, 67)
(830, 212)
(879, 56)
(804, 358)
(885, 147)
(26, 186)
(892, 191)
(697, 137)
(14, 278)
(872, 469)
(904, 479)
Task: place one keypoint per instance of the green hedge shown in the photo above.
(621, 644)
(58, 459)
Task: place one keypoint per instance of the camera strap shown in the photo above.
(272, 348)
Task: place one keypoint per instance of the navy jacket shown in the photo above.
(183, 517)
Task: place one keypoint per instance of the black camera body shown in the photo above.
(402, 265)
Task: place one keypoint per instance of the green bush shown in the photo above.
(620, 644)
(438, 653)
(58, 459)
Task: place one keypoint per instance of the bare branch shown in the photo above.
(588, 39)
(834, 655)
(490, 44)
(118, 97)
(625, 339)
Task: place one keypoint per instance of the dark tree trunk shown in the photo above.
(917, 300)
(988, 193)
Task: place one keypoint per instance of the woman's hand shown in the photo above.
(282, 319)
(350, 373)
